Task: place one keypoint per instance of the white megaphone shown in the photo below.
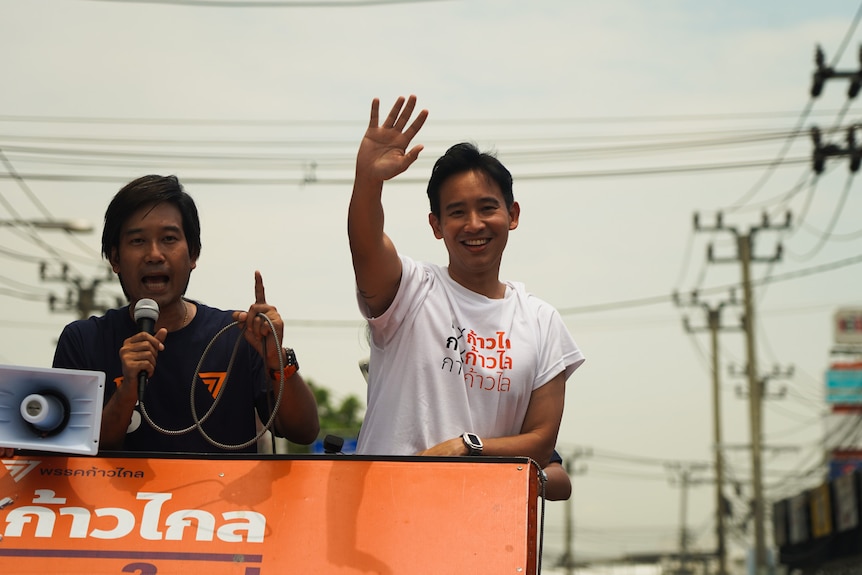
(46, 412)
(51, 409)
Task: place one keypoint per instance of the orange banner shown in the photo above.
(265, 515)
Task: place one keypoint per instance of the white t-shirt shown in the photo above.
(445, 360)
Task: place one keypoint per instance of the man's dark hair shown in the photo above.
(466, 157)
(151, 191)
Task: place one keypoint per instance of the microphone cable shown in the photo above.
(543, 479)
(198, 422)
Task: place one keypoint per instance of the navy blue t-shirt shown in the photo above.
(555, 457)
(94, 344)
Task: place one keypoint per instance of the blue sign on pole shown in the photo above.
(844, 386)
(839, 467)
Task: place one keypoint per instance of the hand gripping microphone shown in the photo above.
(146, 314)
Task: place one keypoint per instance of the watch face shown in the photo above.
(290, 358)
(473, 440)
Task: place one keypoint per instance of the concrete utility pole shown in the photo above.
(568, 559)
(80, 297)
(744, 255)
(713, 315)
(685, 471)
(69, 226)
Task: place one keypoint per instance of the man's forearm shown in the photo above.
(116, 416)
(297, 419)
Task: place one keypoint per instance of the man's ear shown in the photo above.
(514, 214)
(435, 226)
(115, 260)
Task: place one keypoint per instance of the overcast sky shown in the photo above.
(619, 121)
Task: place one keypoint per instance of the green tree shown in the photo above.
(342, 419)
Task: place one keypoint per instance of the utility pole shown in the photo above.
(744, 255)
(713, 315)
(776, 373)
(824, 72)
(685, 471)
(81, 297)
(568, 559)
(823, 151)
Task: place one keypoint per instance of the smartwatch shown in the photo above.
(473, 443)
(290, 365)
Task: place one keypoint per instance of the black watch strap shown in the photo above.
(291, 366)
(473, 443)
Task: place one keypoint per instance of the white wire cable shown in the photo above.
(198, 422)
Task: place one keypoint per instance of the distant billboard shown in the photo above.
(844, 462)
(844, 384)
(848, 326)
(821, 511)
(846, 502)
(798, 518)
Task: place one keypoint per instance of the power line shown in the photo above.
(721, 117)
(348, 180)
(827, 234)
(271, 4)
(520, 149)
(779, 159)
(653, 300)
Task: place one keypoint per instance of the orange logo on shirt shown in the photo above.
(213, 380)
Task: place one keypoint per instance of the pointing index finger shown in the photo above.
(259, 295)
(375, 113)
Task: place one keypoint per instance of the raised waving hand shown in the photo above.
(383, 152)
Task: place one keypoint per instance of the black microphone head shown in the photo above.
(146, 309)
(333, 444)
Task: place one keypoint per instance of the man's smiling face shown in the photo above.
(474, 224)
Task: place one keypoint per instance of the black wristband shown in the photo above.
(291, 366)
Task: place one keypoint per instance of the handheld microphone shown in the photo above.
(332, 444)
(146, 315)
